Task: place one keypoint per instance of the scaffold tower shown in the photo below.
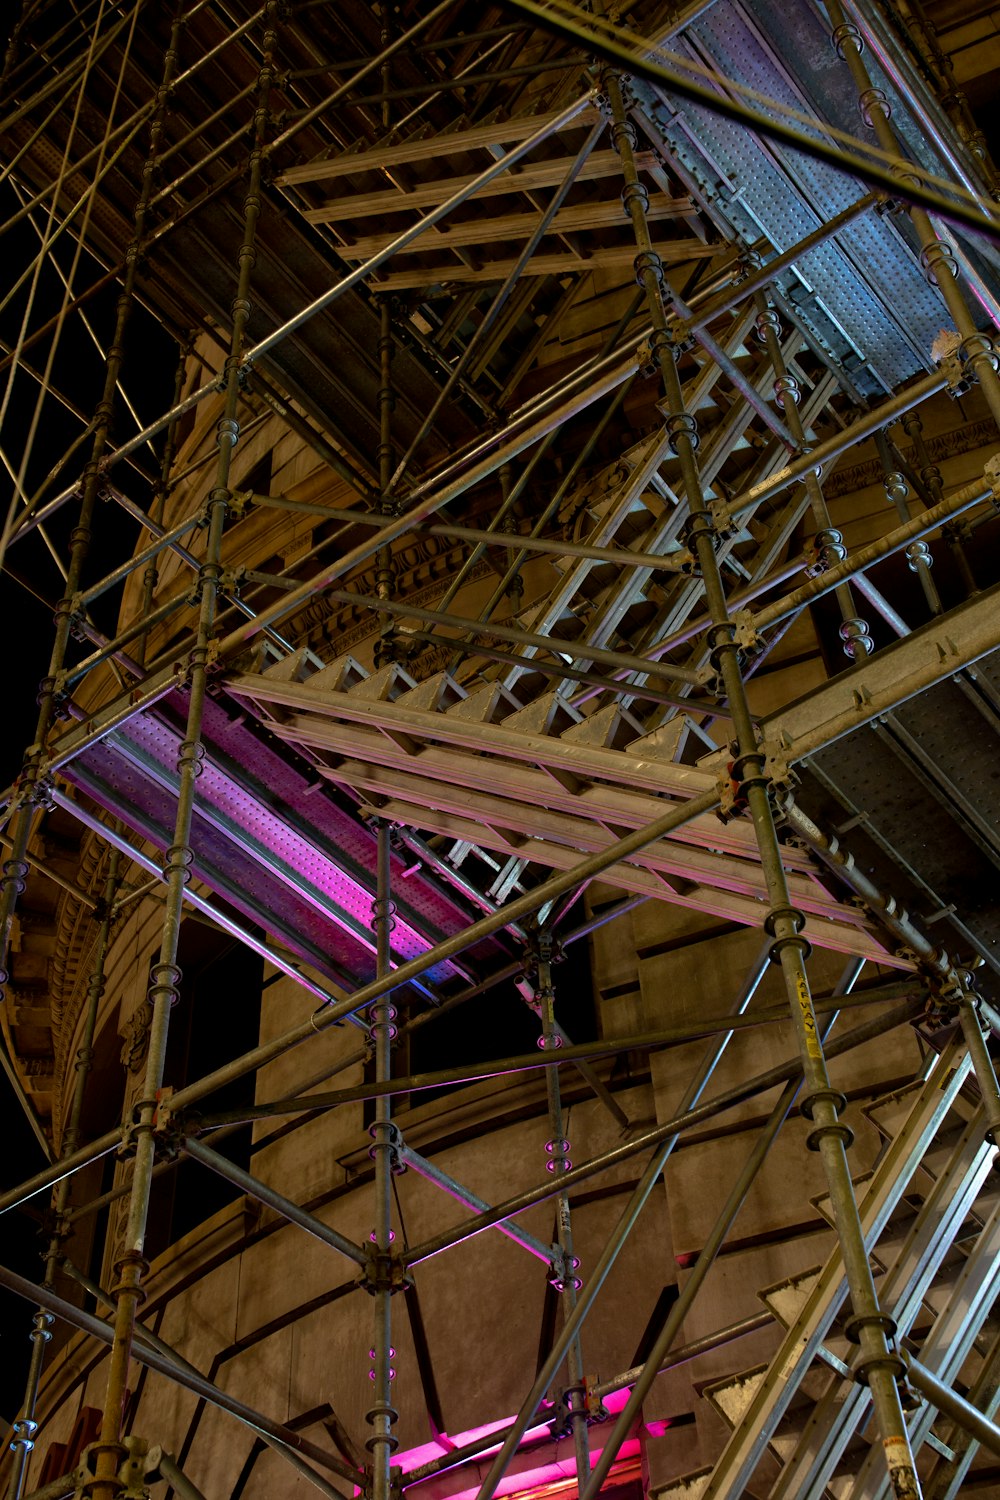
(500, 897)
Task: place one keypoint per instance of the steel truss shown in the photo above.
(484, 643)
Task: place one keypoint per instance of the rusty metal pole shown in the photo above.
(165, 975)
(821, 1103)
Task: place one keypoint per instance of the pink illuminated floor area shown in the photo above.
(548, 1474)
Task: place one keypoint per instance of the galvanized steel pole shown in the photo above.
(821, 1103)
(165, 974)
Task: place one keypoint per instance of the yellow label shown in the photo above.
(808, 1017)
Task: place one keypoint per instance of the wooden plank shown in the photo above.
(672, 252)
(431, 147)
(524, 179)
(513, 227)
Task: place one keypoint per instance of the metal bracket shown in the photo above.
(777, 768)
(133, 1472)
(563, 1270)
(232, 580)
(165, 1126)
(947, 349)
(746, 635)
(384, 1271)
(240, 503)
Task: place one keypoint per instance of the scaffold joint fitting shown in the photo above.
(384, 1271)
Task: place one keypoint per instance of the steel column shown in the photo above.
(165, 974)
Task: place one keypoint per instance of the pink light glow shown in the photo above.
(549, 1470)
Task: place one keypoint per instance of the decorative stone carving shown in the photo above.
(135, 1037)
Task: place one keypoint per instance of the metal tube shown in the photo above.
(559, 647)
(381, 1281)
(822, 1103)
(164, 539)
(24, 1428)
(865, 427)
(64, 1167)
(159, 501)
(936, 255)
(165, 974)
(146, 1355)
(828, 543)
(881, 605)
(953, 1405)
(271, 1198)
(780, 1074)
(928, 520)
(765, 1139)
(177, 1479)
(687, 1352)
(568, 1284)
(527, 1062)
(982, 1064)
(433, 1173)
(665, 1140)
(152, 1341)
(621, 557)
(113, 648)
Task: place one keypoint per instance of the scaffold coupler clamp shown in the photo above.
(384, 1271)
(240, 503)
(572, 1401)
(892, 1360)
(779, 772)
(596, 1409)
(563, 1268)
(947, 350)
(233, 580)
(724, 525)
(135, 1468)
(39, 793)
(945, 994)
(385, 1133)
(151, 1117)
(747, 637)
(732, 801)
